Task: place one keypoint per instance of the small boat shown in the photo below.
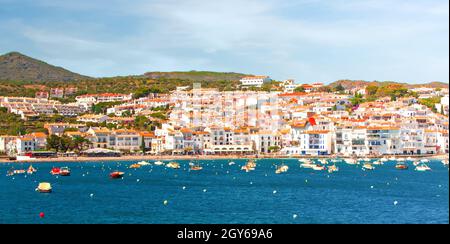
(333, 168)
(392, 158)
(116, 175)
(64, 171)
(135, 166)
(55, 171)
(19, 171)
(378, 162)
(307, 164)
(195, 167)
(282, 169)
(318, 167)
(409, 159)
(44, 187)
(143, 163)
(401, 166)
(425, 160)
(351, 161)
(231, 163)
(400, 160)
(445, 162)
(368, 166)
(251, 164)
(173, 165)
(31, 170)
(159, 163)
(422, 167)
(384, 160)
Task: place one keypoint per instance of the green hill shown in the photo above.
(15, 66)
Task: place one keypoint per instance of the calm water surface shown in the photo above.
(221, 193)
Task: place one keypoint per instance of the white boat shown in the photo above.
(409, 159)
(425, 160)
(384, 160)
(422, 167)
(445, 162)
(143, 163)
(173, 165)
(378, 162)
(351, 161)
(307, 165)
(303, 160)
(231, 163)
(334, 160)
(159, 163)
(333, 168)
(400, 160)
(368, 166)
(366, 159)
(392, 158)
(282, 169)
(318, 167)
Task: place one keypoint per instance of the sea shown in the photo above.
(224, 194)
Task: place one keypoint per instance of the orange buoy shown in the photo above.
(41, 215)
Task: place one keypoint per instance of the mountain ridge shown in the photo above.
(15, 66)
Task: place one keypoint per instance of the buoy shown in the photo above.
(83, 175)
(204, 190)
(251, 183)
(294, 216)
(165, 202)
(184, 188)
(137, 180)
(395, 202)
(274, 192)
(41, 215)
(91, 195)
(306, 181)
(371, 187)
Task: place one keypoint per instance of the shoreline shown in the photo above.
(208, 157)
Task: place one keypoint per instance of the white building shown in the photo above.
(257, 81)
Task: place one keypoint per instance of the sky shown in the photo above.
(305, 40)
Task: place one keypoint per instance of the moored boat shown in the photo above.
(378, 162)
(173, 165)
(445, 162)
(19, 171)
(368, 166)
(351, 161)
(55, 171)
(31, 170)
(159, 163)
(422, 167)
(333, 168)
(384, 160)
(135, 166)
(116, 175)
(64, 171)
(44, 187)
(401, 166)
(281, 169)
(318, 167)
(143, 163)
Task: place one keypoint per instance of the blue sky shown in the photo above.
(307, 40)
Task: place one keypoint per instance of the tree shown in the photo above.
(80, 143)
(299, 89)
(274, 149)
(371, 90)
(339, 88)
(143, 145)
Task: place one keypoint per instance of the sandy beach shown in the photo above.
(188, 157)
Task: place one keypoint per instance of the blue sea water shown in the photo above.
(221, 193)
